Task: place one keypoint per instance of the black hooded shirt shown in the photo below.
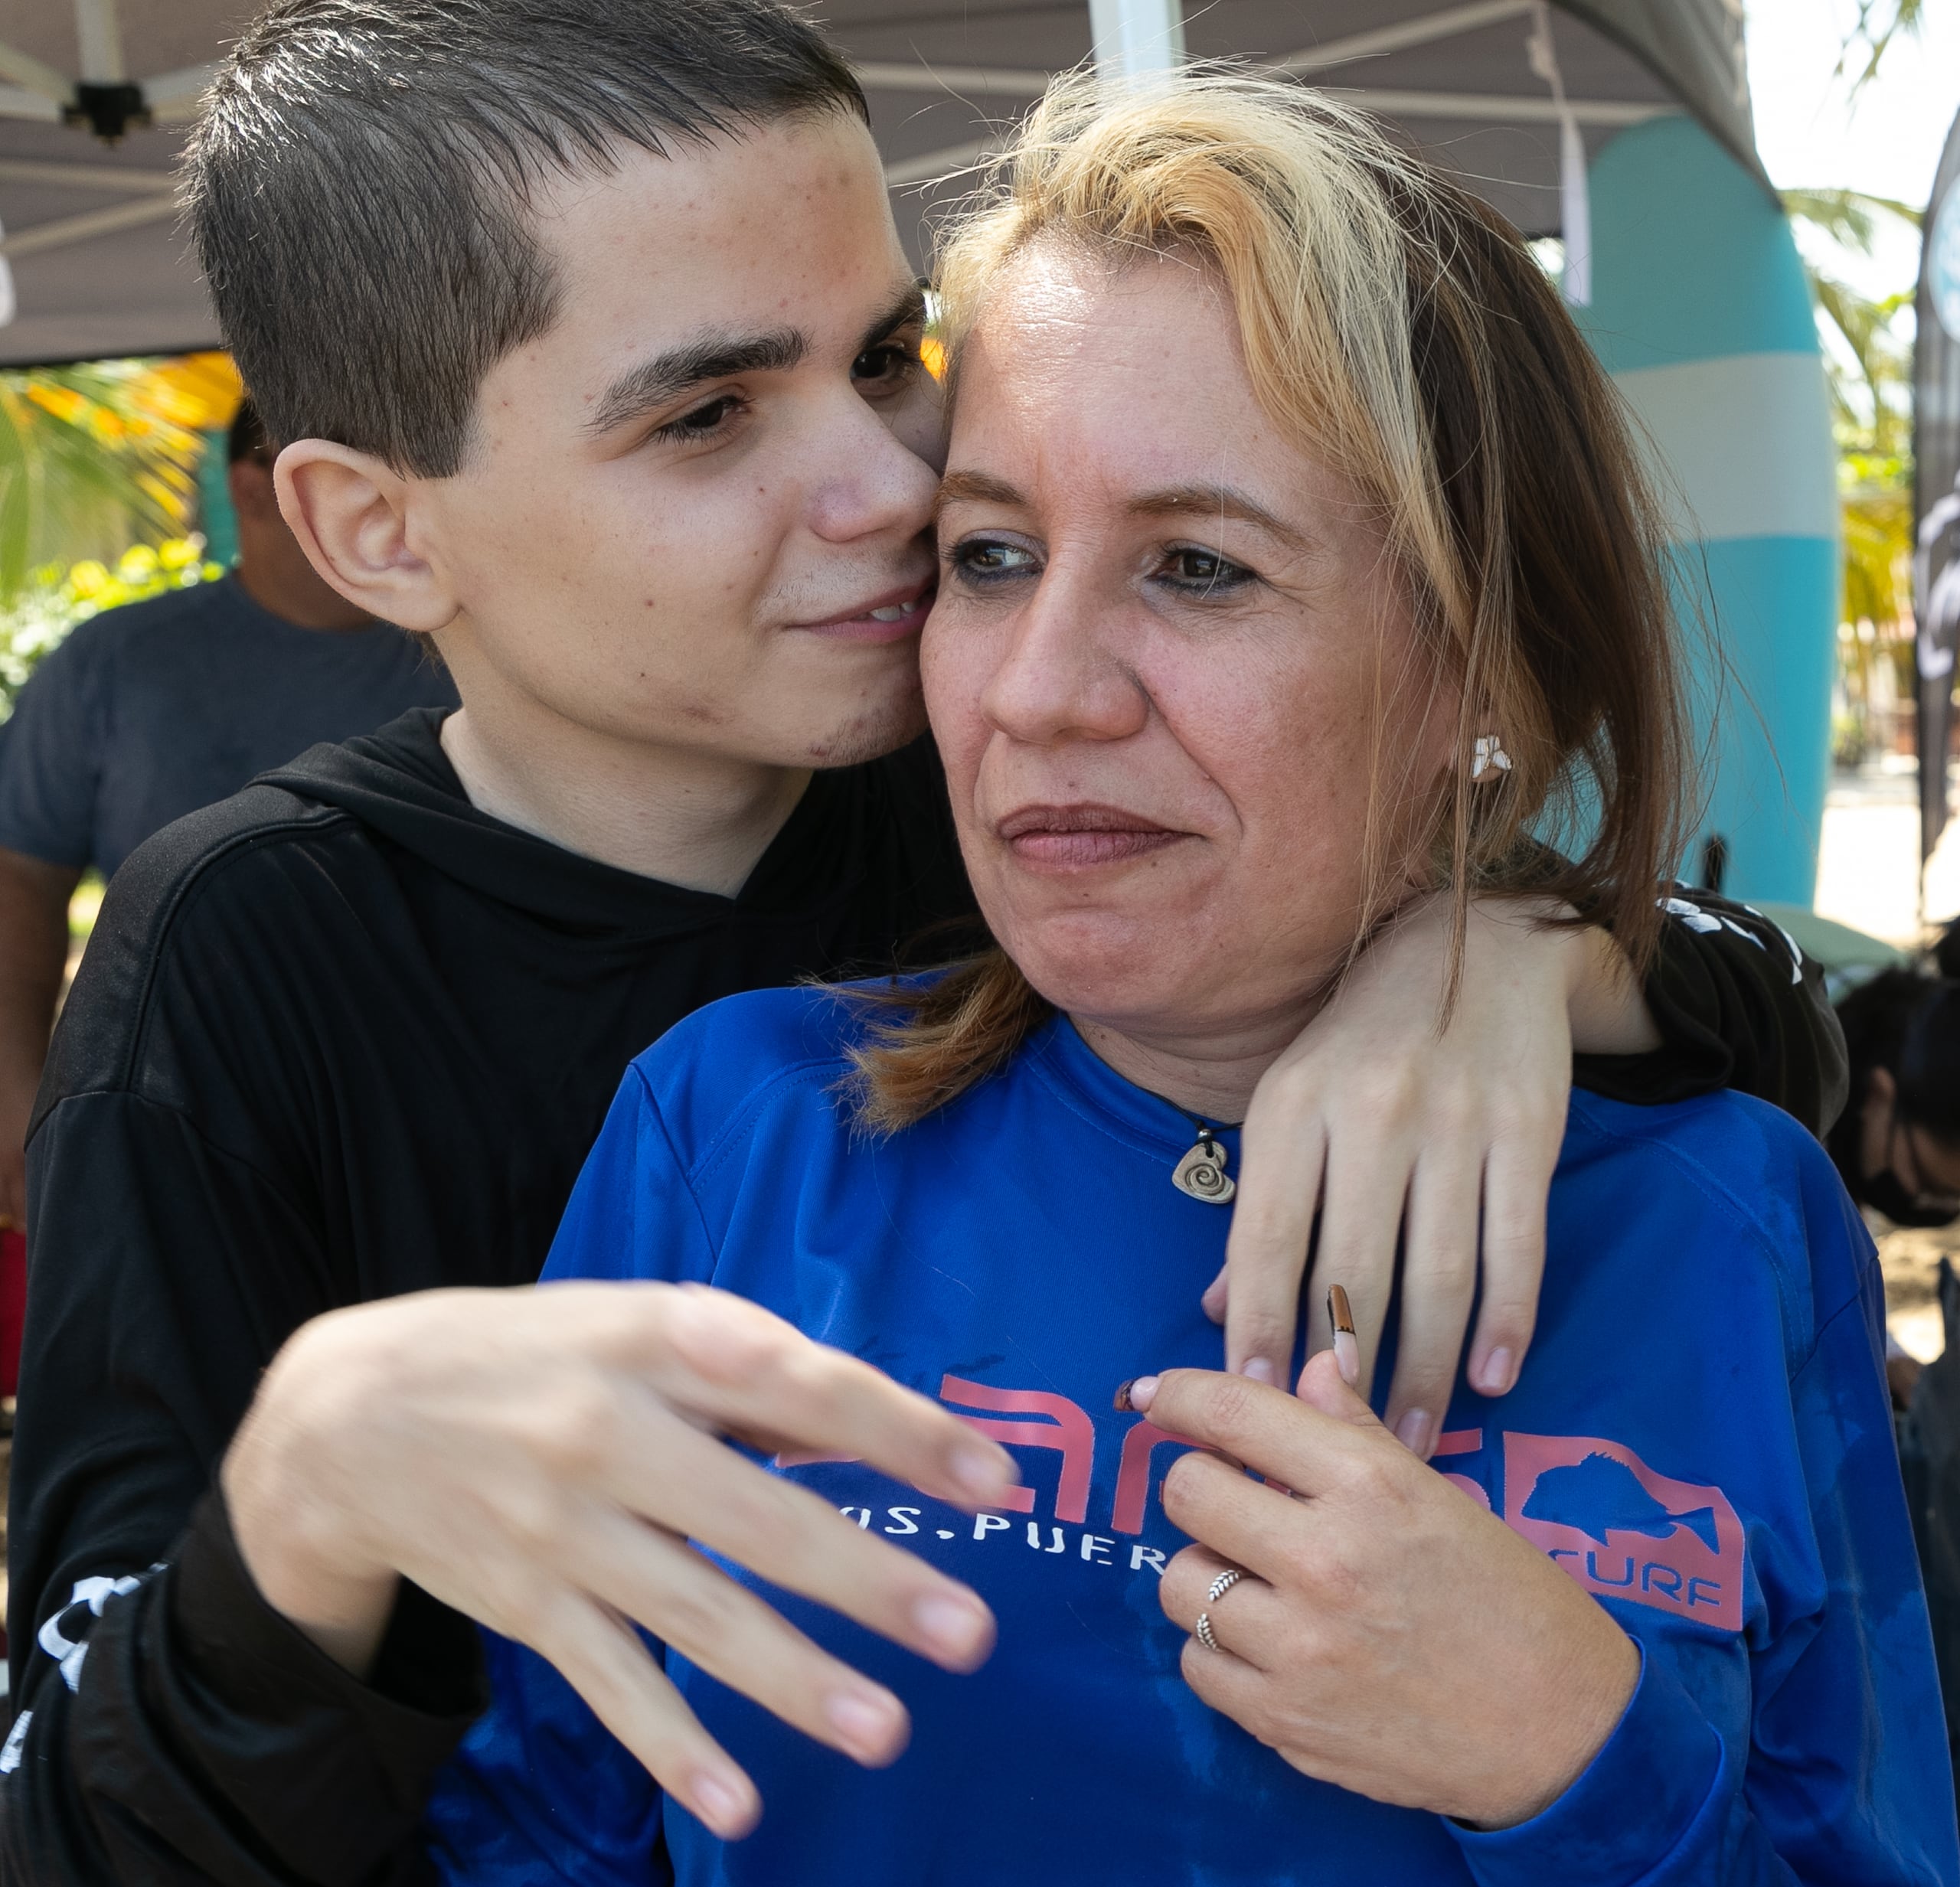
(343, 1037)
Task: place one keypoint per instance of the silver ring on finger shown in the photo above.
(1223, 1584)
(1202, 1632)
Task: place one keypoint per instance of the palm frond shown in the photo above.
(93, 459)
(1879, 23)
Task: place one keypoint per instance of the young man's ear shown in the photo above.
(349, 511)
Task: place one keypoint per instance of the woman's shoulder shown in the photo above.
(728, 1063)
(1738, 1170)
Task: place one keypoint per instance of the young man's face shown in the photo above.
(694, 512)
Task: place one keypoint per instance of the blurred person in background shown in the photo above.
(149, 712)
(1896, 1145)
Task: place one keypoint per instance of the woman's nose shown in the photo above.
(1063, 675)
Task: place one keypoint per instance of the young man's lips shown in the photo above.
(887, 619)
(1074, 838)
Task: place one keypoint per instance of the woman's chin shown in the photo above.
(1118, 987)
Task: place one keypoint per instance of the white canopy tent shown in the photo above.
(95, 95)
(1621, 126)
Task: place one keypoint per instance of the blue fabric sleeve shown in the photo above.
(540, 1794)
(50, 755)
(1835, 1786)
(633, 1214)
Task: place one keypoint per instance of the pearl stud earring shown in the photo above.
(1489, 761)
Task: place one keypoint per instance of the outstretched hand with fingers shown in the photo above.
(1389, 1123)
(550, 1461)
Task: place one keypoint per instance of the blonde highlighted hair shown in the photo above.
(1398, 331)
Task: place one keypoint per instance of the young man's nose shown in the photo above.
(864, 481)
(1063, 674)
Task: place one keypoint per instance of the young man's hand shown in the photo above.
(550, 1461)
(1374, 1114)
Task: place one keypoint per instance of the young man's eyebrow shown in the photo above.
(974, 487)
(715, 356)
(904, 308)
(1212, 500)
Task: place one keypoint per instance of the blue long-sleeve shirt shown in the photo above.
(1701, 1437)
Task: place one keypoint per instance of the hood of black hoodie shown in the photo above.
(399, 783)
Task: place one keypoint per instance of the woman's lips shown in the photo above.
(884, 619)
(1076, 838)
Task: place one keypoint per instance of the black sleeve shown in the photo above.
(171, 1726)
(1738, 1005)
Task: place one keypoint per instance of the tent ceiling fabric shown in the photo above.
(99, 265)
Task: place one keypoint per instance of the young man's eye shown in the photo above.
(885, 364)
(979, 560)
(1202, 573)
(703, 421)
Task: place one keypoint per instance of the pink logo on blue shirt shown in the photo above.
(1624, 1531)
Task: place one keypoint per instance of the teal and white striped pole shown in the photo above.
(1700, 312)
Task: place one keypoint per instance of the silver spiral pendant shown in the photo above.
(1201, 1174)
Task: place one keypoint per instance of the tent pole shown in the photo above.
(99, 34)
(28, 72)
(1134, 38)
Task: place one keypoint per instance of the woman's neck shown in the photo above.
(1211, 1076)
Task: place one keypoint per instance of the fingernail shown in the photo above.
(981, 1472)
(1259, 1369)
(1413, 1432)
(1347, 1357)
(958, 1629)
(866, 1723)
(1138, 1394)
(1495, 1378)
(724, 1808)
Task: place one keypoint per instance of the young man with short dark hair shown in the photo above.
(599, 358)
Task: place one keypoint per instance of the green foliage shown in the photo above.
(55, 598)
(1879, 22)
(1870, 369)
(92, 459)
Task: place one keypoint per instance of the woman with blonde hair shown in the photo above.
(1296, 562)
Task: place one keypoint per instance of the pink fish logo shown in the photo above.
(1625, 1532)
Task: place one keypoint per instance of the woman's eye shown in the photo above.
(705, 420)
(1203, 572)
(984, 560)
(889, 362)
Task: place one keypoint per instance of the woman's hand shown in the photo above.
(1390, 1637)
(1374, 1115)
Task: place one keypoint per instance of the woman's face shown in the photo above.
(1167, 655)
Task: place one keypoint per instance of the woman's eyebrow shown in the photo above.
(974, 487)
(1214, 500)
(715, 355)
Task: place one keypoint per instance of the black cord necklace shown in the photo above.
(1200, 1174)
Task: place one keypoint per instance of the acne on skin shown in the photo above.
(659, 565)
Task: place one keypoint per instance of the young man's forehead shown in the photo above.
(817, 177)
